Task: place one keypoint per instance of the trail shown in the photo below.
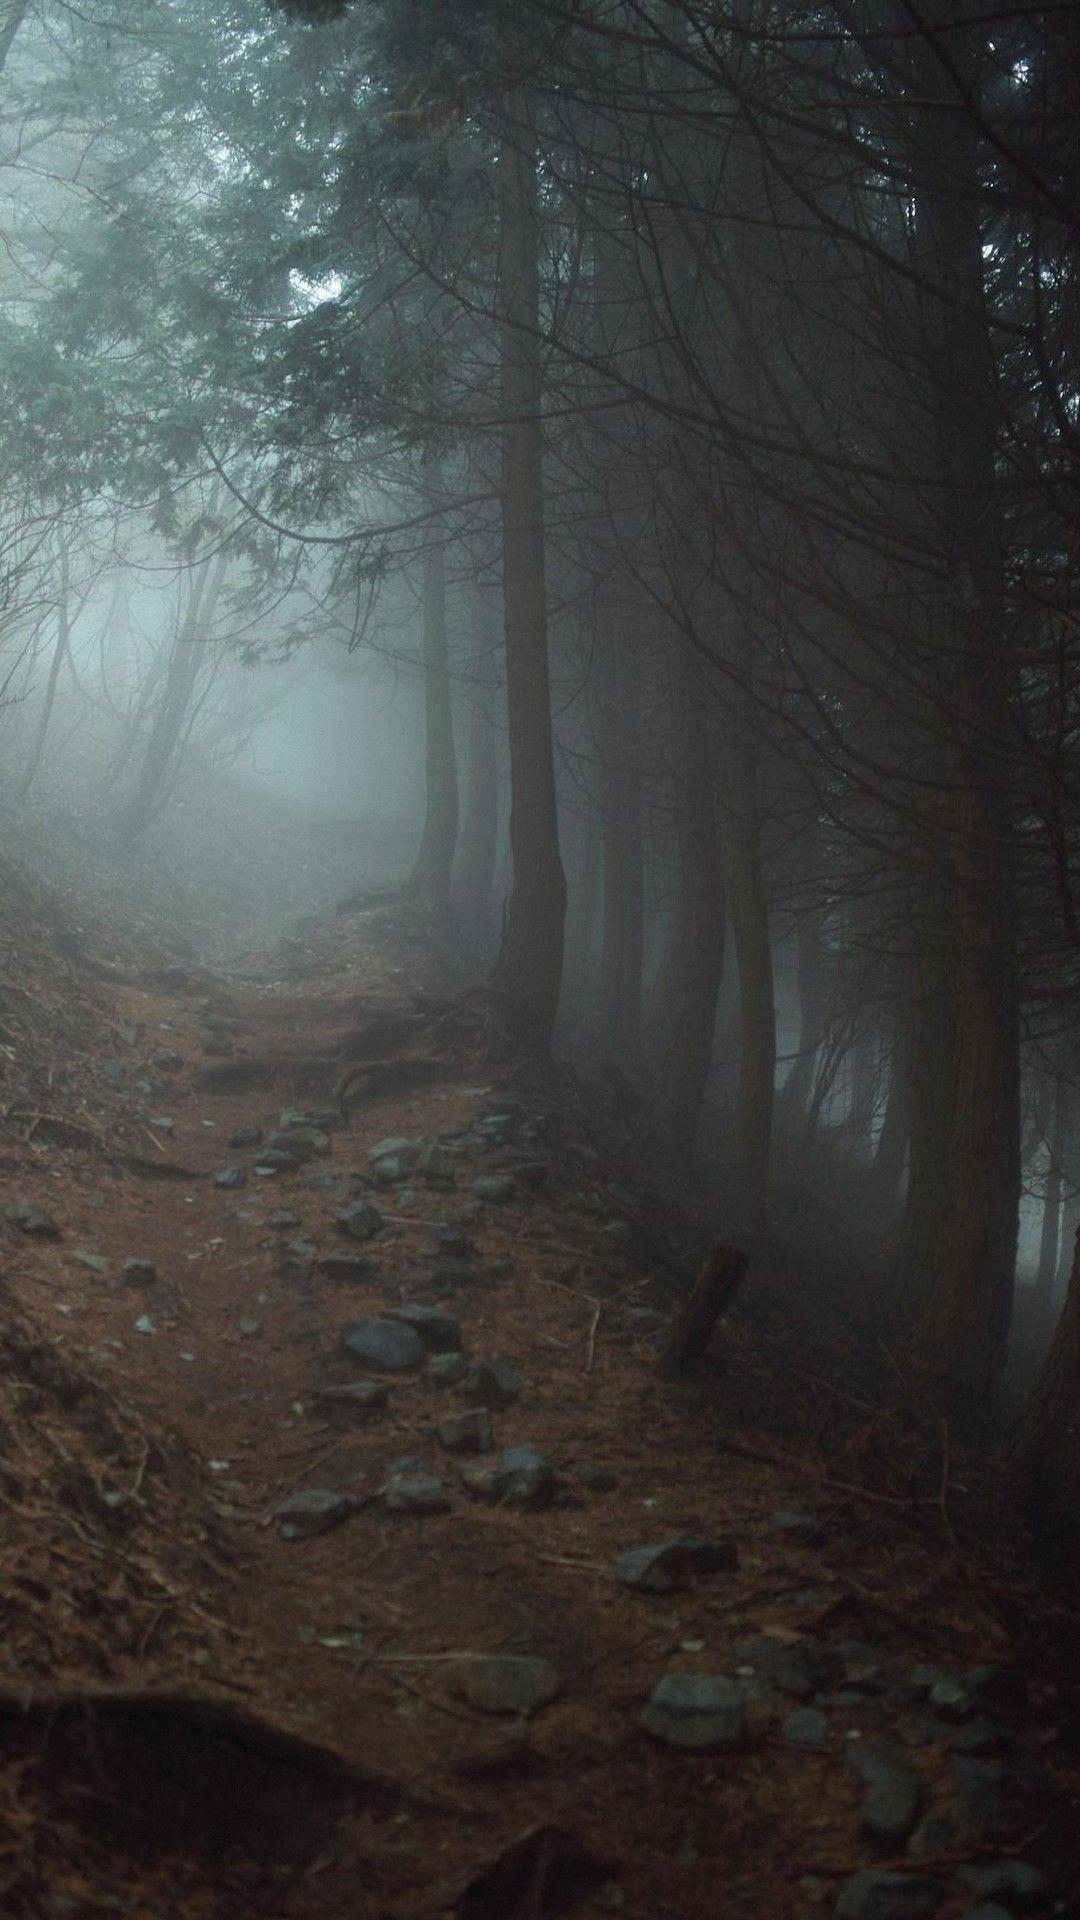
(859, 1708)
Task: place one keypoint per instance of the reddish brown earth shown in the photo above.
(141, 1472)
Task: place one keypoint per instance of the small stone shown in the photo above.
(1013, 1884)
(980, 1803)
(672, 1564)
(167, 1061)
(801, 1668)
(144, 1324)
(893, 1790)
(161, 1123)
(467, 1432)
(275, 1160)
(436, 1168)
(953, 1698)
(888, 1896)
(807, 1727)
(93, 1262)
(303, 1143)
(386, 1345)
(397, 1146)
(416, 1493)
(32, 1219)
(525, 1478)
(361, 1221)
(507, 1683)
(391, 1170)
(440, 1332)
(697, 1711)
(316, 1510)
(231, 1177)
(249, 1329)
(494, 1187)
(493, 1383)
(284, 1219)
(246, 1137)
(355, 1400)
(597, 1479)
(447, 1369)
(138, 1273)
(348, 1268)
(979, 1736)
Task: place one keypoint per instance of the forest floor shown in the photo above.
(435, 1704)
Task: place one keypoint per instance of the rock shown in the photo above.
(138, 1273)
(32, 1219)
(249, 1329)
(893, 1790)
(275, 1160)
(801, 1668)
(231, 1177)
(507, 1683)
(495, 1187)
(349, 1268)
(980, 1805)
(979, 1736)
(450, 1275)
(303, 1143)
(863, 1665)
(436, 1168)
(361, 1221)
(526, 1478)
(807, 1727)
(298, 1256)
(492, 1383)
(93, 1262)
(468, 1432)
(315, 1510)
(168, 1061)
(386, 1345)
(161, 1123)
(353, 1401)
(1013, 1884)
(698, 1711)
(888, 1896)
(447, 1369)
(144, 1324)
(325, 1118)
(415, 1493)
(391, 1170)
(440, 1332)
(673, 1563)
(284, 1219)
(246, 1137)
(397, 1147)
(326, 1179)
(597, 1479)
(954, 1698)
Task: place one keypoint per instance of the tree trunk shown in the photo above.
(1046, 1273)
(813, 999)
(168, 725)
(756, 1086)
(890, 1156)
(60, 650)
(1048, 1443)
(474, 876)
(429, 881)
(528, 972)
(623, 942)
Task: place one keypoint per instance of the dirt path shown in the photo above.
(850, 1730)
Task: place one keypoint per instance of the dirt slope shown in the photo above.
(324, 1747)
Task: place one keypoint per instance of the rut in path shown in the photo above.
(472, 1633)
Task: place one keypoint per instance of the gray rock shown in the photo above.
(386, 1345)
(361, 1221)
(93, 1262)
(32, 1219)
(507, 1683)
(397, 1146)
(807, 1727)
(436, 1168)
(493, 1187)
(467, 1432)
(953, 1697)
(353, 1401)
(447, 1369)
(1013, 1884)
(418, 1492)
(315, 1510)
(493, 1383)
(801, 1668)
(246, 1137)
(391, 1170)
(284, 1219)
(230, 1177)
(303, 1143)
(980, 1812)
(673, 1563)
(863, 1665)
(521, 1477)
(893, 1789)
(697, 1711)
(144, 1324)
(167, 1061)
(348, 1268)
(888, 1896)
(275, 1160)
(440, 1332)
(978, 1736)
(249, 1329)
(293, 1118)
(138, 1273)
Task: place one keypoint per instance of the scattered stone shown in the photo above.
(144, 1324)
(888, 1896)
(597, 1479)
(298, 1256)
(303, 1143)
(436, 1168)
(167, 1061)
(494, 1187)
(316, 1510)
(138, 1273)
(893, 1790)
(249, 1329)
(507, 1683)
(953, 1698)
(698, 1711)
(284, 1219)
(493, 1383)
(673, 1563)
(347, 1267)
(807, 1727)
(326, 1178)
(398, 1146)
(440, 1332)
(361, 1221)
(246, 1137)
(526, 1478)
(160, 1122)
(1013, 1884)
(980, 1805)
(447, 1369)
(355, 1400)
(863, 1667)
(391, 1170)
(32, 1219)
(93, 1262)
(420, 1492)
(386, 1345)
(231, 1177)
(978, 1736)
(468, 1432)
(801, 1668)
(275, 1160)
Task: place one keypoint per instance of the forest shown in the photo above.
(540, 741)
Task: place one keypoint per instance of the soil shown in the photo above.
(202, 1718)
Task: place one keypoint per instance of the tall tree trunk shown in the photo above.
(694, 959)
(1048, 1442)
(474, 873)
(890, 1156)
(168, 726)
(60, 651)
(1046, 1273)
(623, 943)
(528, 971)
(812, 986)
(756, 1086)
(429, 881)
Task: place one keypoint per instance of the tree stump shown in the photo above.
(710, 1296)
